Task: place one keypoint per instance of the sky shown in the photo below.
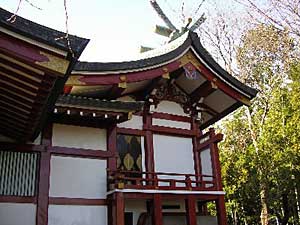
(116, 28)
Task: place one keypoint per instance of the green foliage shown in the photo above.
(260, 155)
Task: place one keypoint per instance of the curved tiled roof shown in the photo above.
(42, 34)
(177, 49)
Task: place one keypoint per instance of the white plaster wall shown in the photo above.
(171, 123)
(173, 154)
(79, 137)
(77, 215)
(206, 164)
(170, 107)
(181, 220)
(17, 214)
(77, 177)
(136, 207)
(136, 122)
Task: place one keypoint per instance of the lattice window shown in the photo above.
(129, 153)
(18, 173)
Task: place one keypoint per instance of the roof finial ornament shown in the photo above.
(171, 31)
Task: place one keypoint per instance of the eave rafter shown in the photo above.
(27, 78)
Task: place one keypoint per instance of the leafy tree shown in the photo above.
(256, 176)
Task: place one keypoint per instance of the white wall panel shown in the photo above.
(136, 207)
(171, 123)
(136, 122)
(77, 177)
(173, 154)
(170, 107)
(79, 137)
(17, 214)
(206, 165)
(77, 215)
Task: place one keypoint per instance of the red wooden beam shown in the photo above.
(157, 210)
(131, 131)
(43, 190)
(221, 210)
(112, 147)
(21, 49)
(32, 73)
(173, 117)
(196, 154)
(44, 179)
(17, 199)
(100, 79)
(119, 209)
(84, 153)
(76, 201)
(203, 90)
(190, 205)
(171, 131)
(149, 152)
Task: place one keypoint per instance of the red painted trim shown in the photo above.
(43, 190)
(202, 197)
(21, 49)
(221, 210)
(78, 152)
(215, 160)
(173, 117)
(44, 178)
(220, 84)
(130, 131)
(101, 79)
(171, 131)
(112, 147)
(76, 201)
(213, 139)
(17, 199)
(196, 154)
(149, 152)
(157, 210)
(119, 209)
(190, 205)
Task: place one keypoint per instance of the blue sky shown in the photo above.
(116, 28)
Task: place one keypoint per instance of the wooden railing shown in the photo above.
(160, 181)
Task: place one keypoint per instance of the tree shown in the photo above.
(282, 14)
(264, 60)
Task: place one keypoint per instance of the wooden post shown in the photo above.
(149, 152)
(190, 206)
(215, 161)
(44, 177)
(157, 210)
(119, 209)
(196, 153)
(112, 147)
(221, 210)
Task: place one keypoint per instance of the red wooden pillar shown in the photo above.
(119, 209)
(157, 210)
(196, 154)
(190, 206)
(221, 210)
(112, 147)
(215, 160)
(149, 152)
(44, 177)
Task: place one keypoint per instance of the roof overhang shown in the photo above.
(33, 69)
(82, 111)
(211, 94)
